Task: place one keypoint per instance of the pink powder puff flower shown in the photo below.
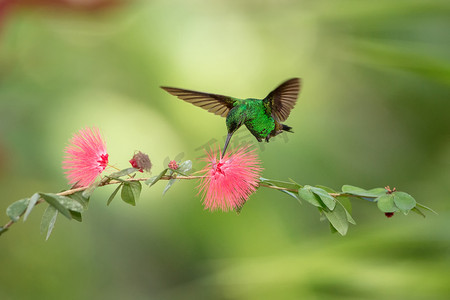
(228, 182)
(85, 158)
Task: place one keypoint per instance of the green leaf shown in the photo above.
(357, 191)
(404, 201)
(169, 185)
(124, 172)
(185, 166)
(3, 230)
(137, 188)
(332, 229)
(31, 205)
(426, 208)
(345, 202)
(350, 218)
(70, 203)
(338, 218)
(418, 211)
(76, 216)
(53, 200)
(111, 197)
(326, 198)
(264, 180)
(88, 192)
(386, 203)
(152, 180)
(306, 194)
(279, 183)
(293, 195)
(127, 194)
(131, 191)
(297, 185)
(16, 209)
(48, 220)
(178, 157)
(78, 196)
(327, 189)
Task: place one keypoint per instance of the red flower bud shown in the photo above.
(173, 165)
(389, 214)
(141, 161)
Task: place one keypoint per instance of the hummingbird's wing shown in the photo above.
(283, 98)
(217, 104)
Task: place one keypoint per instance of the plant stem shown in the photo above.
(165, 177)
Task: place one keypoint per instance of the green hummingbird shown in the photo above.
(262, 117)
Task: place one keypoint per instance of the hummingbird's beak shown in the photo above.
(226, 144)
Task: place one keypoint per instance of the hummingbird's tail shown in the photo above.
(287, 128)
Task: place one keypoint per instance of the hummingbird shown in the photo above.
(262, 117)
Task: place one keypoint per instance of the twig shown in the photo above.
(165, 177)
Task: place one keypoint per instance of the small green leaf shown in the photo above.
(53, 200)
(152, 180)
(111, 197)
(418, 211)
(3, 230)
(332, 229)
(306, 194)
(386, 203)
(185, 166)
(345, 202)
(338, 218)
(169, 185)
(76, 216)
(350, 218)
(136, 187)
(31, 205)
(127, 194)
(178, 157)
(404, 201)
(327, 189)
(48, 220)
(124, 172)
(321, 215)
(293, 195)
(88, 192)
(78, 196)
(297, 185)
(131, 191)
(279, 183)
(16, 209)
(264, 180)
(426, 208)
(326, 198)
(357, 191)
(166, 161)
(70, 203)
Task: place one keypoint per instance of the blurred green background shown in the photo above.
(373, 111)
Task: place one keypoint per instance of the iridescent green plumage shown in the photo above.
(262, 117)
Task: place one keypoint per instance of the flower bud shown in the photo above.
(389, 214)
(141, 161)
(173, 165)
